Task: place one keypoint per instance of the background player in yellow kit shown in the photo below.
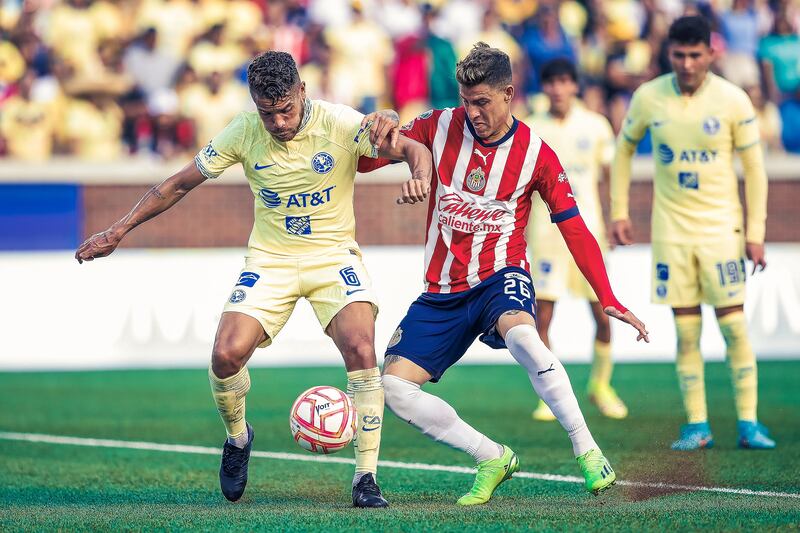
(584, 141)
(697, 120)
(300, 158)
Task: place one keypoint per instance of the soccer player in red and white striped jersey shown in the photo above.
(486, 165)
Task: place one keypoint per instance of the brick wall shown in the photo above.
(222, 215)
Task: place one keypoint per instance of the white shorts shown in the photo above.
(268, 288)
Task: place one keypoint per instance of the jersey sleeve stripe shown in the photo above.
(746, 146)
(203, 170)
(564, 215)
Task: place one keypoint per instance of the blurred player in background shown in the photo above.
(488, 164)
(585, 142)
(697, 120)
(300, 158)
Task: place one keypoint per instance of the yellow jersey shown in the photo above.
(303, 188)
(584, 142)
(696, 192)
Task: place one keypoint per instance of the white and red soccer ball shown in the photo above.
(323, 420)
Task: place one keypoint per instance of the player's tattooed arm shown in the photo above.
(155, 201)
(382, 124)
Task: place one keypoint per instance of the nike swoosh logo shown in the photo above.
(259, 167)
(354, 291)
(365, 428)
(658, 123)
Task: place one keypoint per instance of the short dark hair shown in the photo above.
(272, 75)
(484, 64)
(558, 67)
(693, 29)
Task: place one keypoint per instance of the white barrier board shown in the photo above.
(160, 308)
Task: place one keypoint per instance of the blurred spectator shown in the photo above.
(544, 40)
(361, 52)
(515, 12)
(151, 68)
(212, 104)
(27, 125)
(213, 54)
(493, 34)
(769, 119)
(283, 35)
(12, 64)
(779, 53)
(409, 77)
(91, 127)
(442, 64)
(459, 19)
(74, 36)
(400, 18)
(176, 21)
(739, 27)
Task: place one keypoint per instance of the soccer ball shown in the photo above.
(322, 420)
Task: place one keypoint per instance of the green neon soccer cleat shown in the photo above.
(597, 471)
(490, 474)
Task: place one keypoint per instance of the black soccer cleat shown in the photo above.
(233, 470)
(367, 493)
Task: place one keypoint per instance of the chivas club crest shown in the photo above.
(476, 180)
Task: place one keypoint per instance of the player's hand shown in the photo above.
(384, 123)
(755, 253)
(414, 190)
(622, 232)
(98, 245)
(631, 319)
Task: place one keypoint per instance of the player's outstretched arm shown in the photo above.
(621, 228)
(584, 249)
(157, 200)
(383, 123)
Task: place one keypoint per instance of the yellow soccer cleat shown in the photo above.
(608, 403)
(490, 474)
(542, 413)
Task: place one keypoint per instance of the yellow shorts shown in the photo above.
(555, 274)
(686, 275)
(268, 288)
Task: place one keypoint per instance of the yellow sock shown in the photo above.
(365, 388)
(229, 394)
(690, 367)
(601, 364)
(742, 364)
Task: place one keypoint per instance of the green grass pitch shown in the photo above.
(50, 486)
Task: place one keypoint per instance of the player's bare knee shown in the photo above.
(227, 358)
(358, 352)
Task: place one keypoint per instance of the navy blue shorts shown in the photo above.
(438, 328)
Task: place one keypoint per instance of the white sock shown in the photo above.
(436, 419)
(551, 383)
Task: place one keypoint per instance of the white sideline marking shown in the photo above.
(207, 450)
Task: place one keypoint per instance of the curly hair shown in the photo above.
(484, 64)
(272, 75)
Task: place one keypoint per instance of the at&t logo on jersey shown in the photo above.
(665, 154)
(711, 125)
(458, 213)
(322, 162)
(272, 200)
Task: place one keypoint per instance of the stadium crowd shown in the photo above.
(157, 78)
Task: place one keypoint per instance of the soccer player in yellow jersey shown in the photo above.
(585, 142)
(697, 121)
(300, 158)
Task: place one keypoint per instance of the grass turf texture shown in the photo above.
(47, 486)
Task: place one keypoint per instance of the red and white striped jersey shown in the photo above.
(481, 197)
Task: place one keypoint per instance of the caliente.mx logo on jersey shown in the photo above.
(461, 214)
